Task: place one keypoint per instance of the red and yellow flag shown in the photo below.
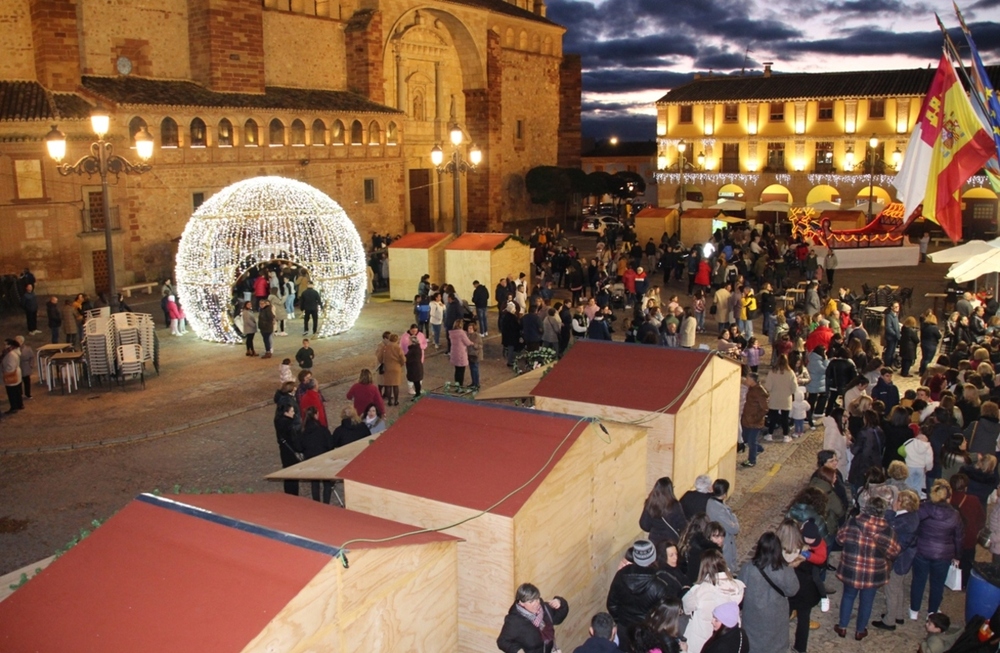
(948, 145)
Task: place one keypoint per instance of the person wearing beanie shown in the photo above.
(635, 589)
(727, 636)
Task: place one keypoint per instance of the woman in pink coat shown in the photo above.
(178, 327)
(459, 354)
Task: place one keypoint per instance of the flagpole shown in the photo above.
(952, 51)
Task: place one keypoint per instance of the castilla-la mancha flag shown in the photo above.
(948, 145)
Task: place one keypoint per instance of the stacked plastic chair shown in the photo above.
(99, 346)
(130, 362)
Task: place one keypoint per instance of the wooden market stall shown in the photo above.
(485, 258)
(563, 500)
(653, 222)
(413, 256)
(698, 225)
(688, 400)
(230, 573)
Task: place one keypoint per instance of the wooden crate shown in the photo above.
(688, 402)
(237, 573)
(485, 258)
(413, 256)
(448, 460)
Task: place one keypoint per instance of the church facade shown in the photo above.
(349, 97)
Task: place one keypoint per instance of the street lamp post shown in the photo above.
(872, 144)
(455, 167)
(101, 161)
(680, 165)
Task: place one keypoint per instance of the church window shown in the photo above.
(337, 133)
(318, 132)
(135, 126)
(418, 106)
(251, 133)
(225, 133)
(374, 134)
(168, 133)
(298, 132)
(199, 137)
(391, 134)
(276, 133)
(357, 133)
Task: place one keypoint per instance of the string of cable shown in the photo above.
(343, 548)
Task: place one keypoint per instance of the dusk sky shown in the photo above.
(634, 51)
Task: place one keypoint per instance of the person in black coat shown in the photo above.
(662, 514)
(696, 500)
(315, 441)
(351, 428)
(635, 589)
(908, 342)
(530, 623)
(531, 330)
(728, 636)
(701, 535)
(930, 338)
(286, 429)
(510, 332)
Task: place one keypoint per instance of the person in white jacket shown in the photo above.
(800, 412)
(437, 318)
(717, 586)
(919, 461)
(835, 437)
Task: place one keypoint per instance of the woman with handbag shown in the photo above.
(973, 520)
(662, 515)
(769, 582)
(939, 545)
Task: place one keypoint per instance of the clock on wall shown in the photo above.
(124, 65)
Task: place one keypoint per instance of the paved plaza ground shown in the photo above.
(205, 423)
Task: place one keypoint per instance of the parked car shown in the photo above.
(598, 225)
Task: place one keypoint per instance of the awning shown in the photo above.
(325, 467)
(730, 219)
(964, 251)
(519, 387)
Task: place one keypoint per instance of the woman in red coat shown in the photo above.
(364, 393)
(704, 276)
(312, 397)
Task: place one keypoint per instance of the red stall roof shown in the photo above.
(419, 240)
(639, 377)
(164, 575)
(477, 242)
(466, 454)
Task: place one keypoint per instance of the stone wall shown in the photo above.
(227, 45)
(151, 33)
(363, 48)
(570, 92)
(56, 43)
(287, 36)
(18, 60)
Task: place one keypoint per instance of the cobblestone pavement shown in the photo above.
(211, 414)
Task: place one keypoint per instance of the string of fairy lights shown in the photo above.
(266, 219)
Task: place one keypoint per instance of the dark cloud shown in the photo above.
(613, 80)
(640, 52)
(874, 7)
(628, 128)
(724, 61)
(981, 4)
(872, 41)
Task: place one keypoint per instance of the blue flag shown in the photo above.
(988, 108)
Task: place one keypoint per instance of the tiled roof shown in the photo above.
(30, 101)
(154, 92)
(504, 7)
(803, 86)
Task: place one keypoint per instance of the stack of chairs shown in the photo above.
(99, 346)
(130, 362)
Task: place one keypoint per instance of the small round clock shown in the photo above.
(124, 65)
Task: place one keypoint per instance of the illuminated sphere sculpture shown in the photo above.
(261, 220)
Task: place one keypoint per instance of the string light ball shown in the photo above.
(261, 220)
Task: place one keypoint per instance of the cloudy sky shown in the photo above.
(635, 50)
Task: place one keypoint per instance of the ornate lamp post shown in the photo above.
(872, 144)
(701, 160)
(455, 167)
(101, 161)
(680, 166)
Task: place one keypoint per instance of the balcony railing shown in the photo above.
(94, 220)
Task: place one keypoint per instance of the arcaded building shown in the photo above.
(349, 97)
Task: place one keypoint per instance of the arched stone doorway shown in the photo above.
(823, 193)
(979, 213)
(731, 192)
(262, 220)
(431, 61)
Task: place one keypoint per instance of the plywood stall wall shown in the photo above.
(512, 259)
(658, 429)
(413, 256)
(653, 226)
(708, 420)
(462, 267)
(571, 534)
(485, 557)
(696, 230)
(390, 599)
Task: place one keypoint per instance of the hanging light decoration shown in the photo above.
(261, 220)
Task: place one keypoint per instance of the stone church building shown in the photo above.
(348, 96)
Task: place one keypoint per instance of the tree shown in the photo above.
(599, 184)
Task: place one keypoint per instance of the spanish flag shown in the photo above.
(948, 145)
